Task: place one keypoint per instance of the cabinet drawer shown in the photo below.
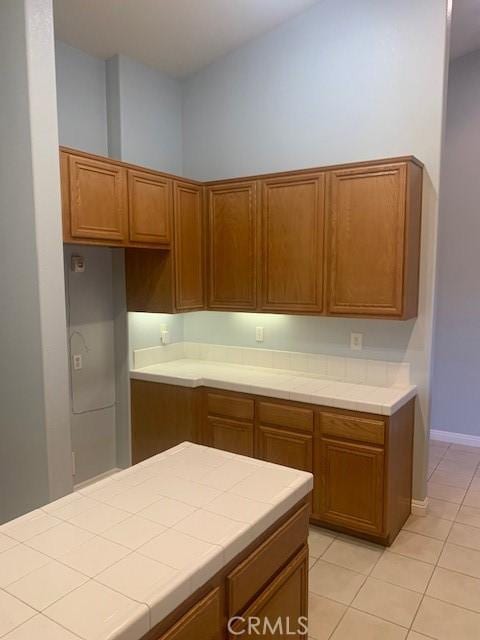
(258, 569)
(352, 428)
(282, 415)
(202, 621)
(230, 406)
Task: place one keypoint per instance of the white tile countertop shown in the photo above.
(280, 383)
(112, 560)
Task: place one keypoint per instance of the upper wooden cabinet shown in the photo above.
(232, 246)
(373, 215)
(292, 243)
(171, 281)
(150, 207)
(337, 241)
(94, 199)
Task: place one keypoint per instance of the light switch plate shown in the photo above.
(259, 334)
(356, 341)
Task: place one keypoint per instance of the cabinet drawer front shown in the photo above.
(230, 406)
(284, 602)
(202, 621)
(285, 447)
(258, 569)
(285, 416)
(352, 428)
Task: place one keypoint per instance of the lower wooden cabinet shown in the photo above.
(285, 447)
(202, 621)
(280, 611)
(230, 435)
(351, 485)
(362, 463)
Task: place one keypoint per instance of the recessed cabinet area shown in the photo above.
(340, 241)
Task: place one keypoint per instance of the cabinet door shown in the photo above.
(150, 207)
(98, 200)
(280, 611)
(351, 485)
(285, 447)
(366, 240)
(232, 246)
(230, 435)
(189, 243)
(292, 232)
(202, 621)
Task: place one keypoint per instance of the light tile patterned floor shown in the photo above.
(426, 585)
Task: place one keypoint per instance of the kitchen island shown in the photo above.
(169, 549)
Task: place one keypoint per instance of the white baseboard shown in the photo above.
(420, 507)
(455, 438)
(101, 476)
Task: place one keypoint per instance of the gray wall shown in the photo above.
(81, 98)
(82, 115)
(34, 431)
(456, 378)
(343, 81)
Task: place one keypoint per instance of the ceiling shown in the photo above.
(465, 34)
(175, 36)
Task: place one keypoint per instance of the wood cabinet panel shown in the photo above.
(230, 435)
(292, 240)
(202, 621)
(230, 406)
(351, 485)
(189, 247)
(150, 208)
(284, 603)
(162, 417)
(366, 240)
(285, 415)
(284, 447)
(351, 427)
(232, 246)
(258, 569)
(97, 200)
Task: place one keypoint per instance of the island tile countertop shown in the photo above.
(278, 383)
(112, 560)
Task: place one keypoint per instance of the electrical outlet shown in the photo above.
(356, 341)
(259, 334)
(164, 336)
(77, 362)
(78, 264)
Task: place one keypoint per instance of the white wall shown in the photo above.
(35, 464)
(344, 81)
(456, 378)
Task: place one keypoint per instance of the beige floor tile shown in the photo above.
(454, 479)
(416, 546)
(311, 561)
(388, 601)
(404, 572)
(468, 515)
(357, 556)
(445, 621)
(362, 626)
(464, 448)
(335, 582)
(460, 559)
(429, 525)
(413, 635)
(455, 588)
(465, 536)
(323, 616)
(455, 465)
(475, 485)
(462, 457)
(438, 446)
(442, 509)
(319, 540)
(472, 498)
(445, 492)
